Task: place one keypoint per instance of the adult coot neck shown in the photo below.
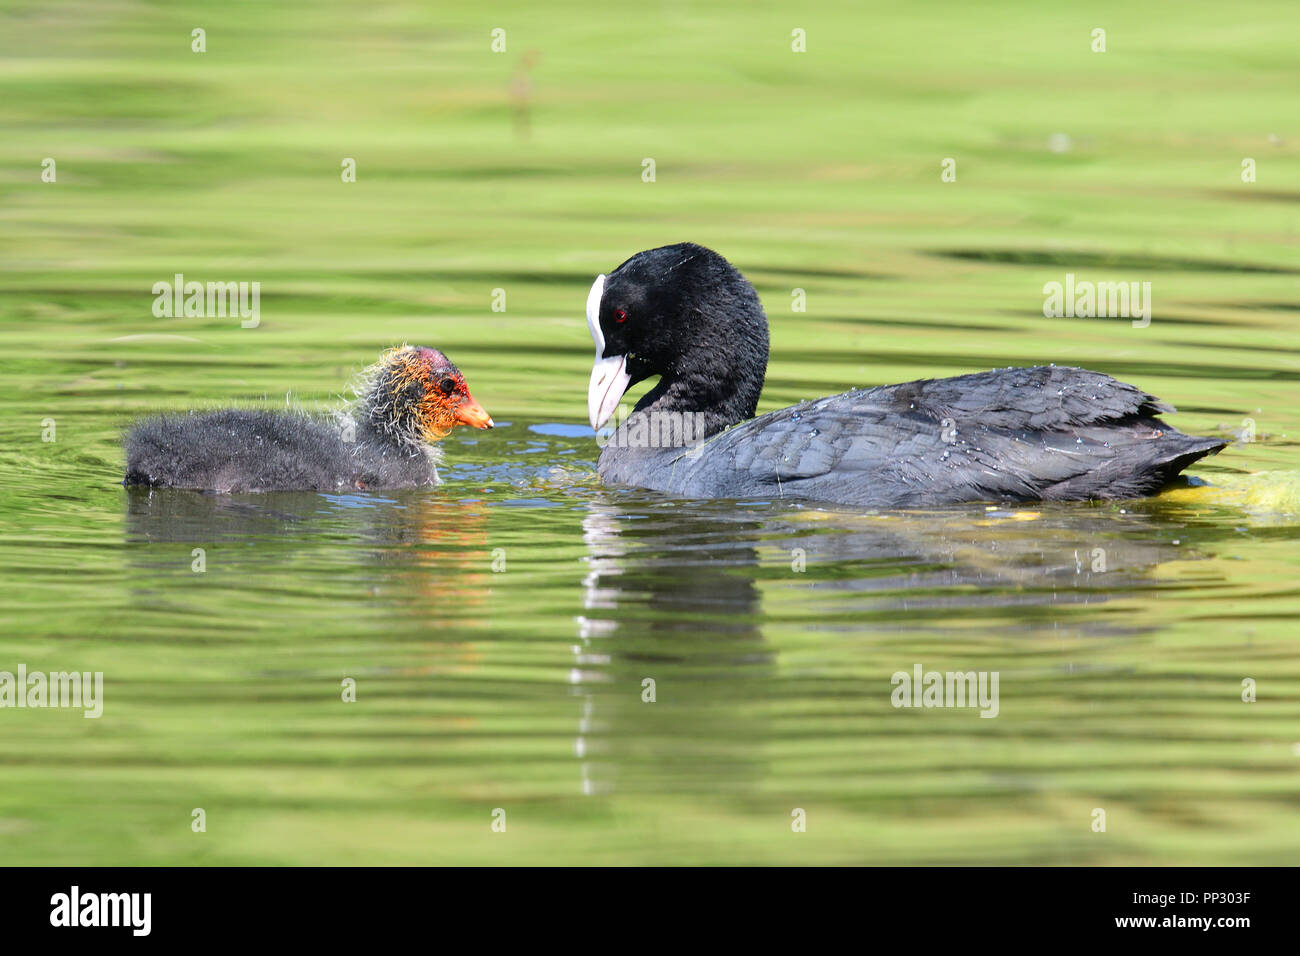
(699, 400)
(722, 401)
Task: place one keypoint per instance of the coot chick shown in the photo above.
(682, 312)
(412, 397)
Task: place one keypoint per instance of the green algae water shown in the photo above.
(498, 632)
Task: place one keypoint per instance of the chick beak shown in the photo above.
(470, 412)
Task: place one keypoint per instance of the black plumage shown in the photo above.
(235, 450)
(382, 440)
(1018, 434)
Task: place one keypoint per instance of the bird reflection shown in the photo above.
(697, 596)
(429, 547)
(670, 649)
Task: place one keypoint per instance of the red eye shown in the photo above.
(620, 315)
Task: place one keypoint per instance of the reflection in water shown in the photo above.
(691, 594)
(430, 552)
(770, 631)
(670, 597)
(931, 564)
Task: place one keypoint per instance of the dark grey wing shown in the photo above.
(1045, 397)
(1022, 434)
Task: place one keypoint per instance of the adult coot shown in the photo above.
(682, 312)
(413, 396)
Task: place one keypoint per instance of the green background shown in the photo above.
(480, 690)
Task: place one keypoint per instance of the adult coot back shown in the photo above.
(684, 313)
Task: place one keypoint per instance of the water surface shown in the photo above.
(500, 628)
